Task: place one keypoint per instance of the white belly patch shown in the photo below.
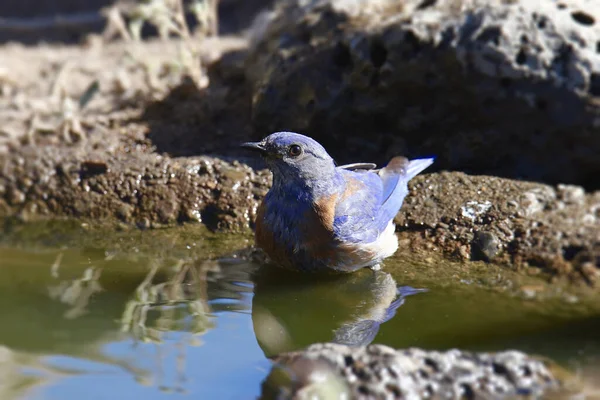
(367, 254)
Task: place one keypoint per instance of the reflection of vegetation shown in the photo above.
(168, 309)
(169, 18)
(179, 303)
(77, 292)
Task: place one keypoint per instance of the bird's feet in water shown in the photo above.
(375, 267)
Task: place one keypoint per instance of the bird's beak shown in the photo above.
(256, 146)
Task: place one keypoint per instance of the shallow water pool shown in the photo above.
(178, 312)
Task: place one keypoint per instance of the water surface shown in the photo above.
(179, 312)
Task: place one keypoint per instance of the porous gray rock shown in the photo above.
(380, 372)
(508, 88)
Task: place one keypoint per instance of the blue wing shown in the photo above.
(370, 200)
(358, 207)
(395, 177)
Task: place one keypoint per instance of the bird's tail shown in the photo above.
(395, 177)
(415, 167)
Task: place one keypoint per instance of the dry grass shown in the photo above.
(169, 18)
(65, 93)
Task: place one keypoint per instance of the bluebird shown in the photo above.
(321, 217)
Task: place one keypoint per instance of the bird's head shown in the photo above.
(291, 156)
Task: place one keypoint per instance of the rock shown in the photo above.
(15, 196)
(570, 194)
(378, 371)
(305, 378)
(137, 188)
(485, 246)
(507, 88)
(515, 222)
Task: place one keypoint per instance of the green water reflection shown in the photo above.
(76, 303)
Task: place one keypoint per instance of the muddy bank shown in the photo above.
(534, 227)
(147, 190)
(530, 226)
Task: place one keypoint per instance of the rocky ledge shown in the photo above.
(380, 372)
(146, 190)
(531, 226)
(536, 227)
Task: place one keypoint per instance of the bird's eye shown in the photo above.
(294, 150)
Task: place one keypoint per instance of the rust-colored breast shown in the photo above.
(317, 229)
(324, 212)
(316, 246)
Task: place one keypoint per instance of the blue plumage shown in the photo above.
(318, 216)
(358, 216)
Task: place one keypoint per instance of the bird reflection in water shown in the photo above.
(292, 310)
